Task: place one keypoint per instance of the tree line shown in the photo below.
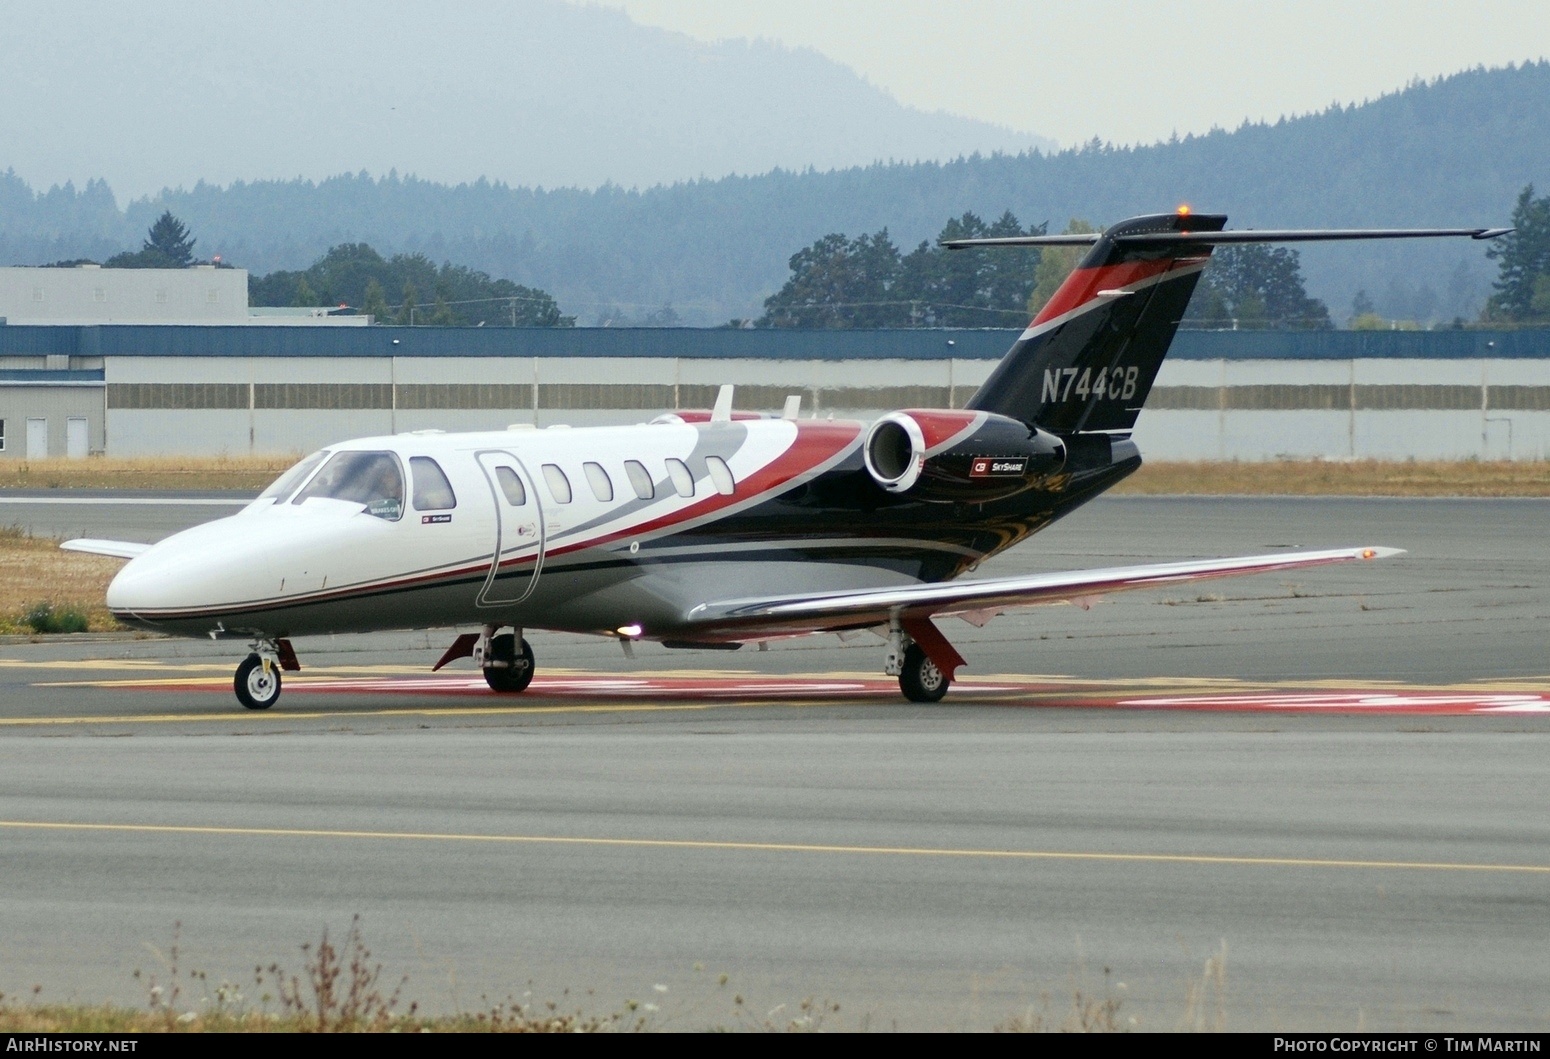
(840, 282)
(409, 289)
(867, 282)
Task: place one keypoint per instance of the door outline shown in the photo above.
(489, 459)
(37, 429)
(77, 437)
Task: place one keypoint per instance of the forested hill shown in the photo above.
(1453, 151)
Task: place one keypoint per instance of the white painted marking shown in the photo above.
(1517, 703)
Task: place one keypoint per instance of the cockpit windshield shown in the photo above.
(370, 478)
(286, 484)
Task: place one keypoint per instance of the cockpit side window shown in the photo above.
(286, 484)
(432, 491)
(372, 479)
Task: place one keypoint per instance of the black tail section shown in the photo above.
(1088, 360)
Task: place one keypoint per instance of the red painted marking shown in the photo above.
(1083, 285)
(462, 647)
(942, 427)
(1031, 692)
(702, 415)
(931, 641)
(816, 443)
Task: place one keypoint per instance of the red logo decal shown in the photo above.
(998, 466)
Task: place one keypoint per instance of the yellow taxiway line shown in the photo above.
(342, 715)
(777, 847)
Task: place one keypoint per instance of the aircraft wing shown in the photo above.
(980, 600)
(117, 549)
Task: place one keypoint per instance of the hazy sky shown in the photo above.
(1129, 72)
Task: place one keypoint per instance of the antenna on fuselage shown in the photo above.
(793, 407)
(722, 413)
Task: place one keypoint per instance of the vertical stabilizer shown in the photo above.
(1089, 358)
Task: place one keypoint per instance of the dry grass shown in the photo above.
(172, 473)
(1343, 478)
(33, 570)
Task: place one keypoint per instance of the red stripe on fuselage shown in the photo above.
(1083, 285)
(942, 427)
(817, 442)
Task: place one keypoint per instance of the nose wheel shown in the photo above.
(257, 682)
(508, 668)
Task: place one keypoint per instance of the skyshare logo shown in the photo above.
(998, 467)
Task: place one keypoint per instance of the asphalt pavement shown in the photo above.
(1333, 782)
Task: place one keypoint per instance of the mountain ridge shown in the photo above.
(1451, 151)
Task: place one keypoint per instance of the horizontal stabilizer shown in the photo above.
(1245, 235)
(117, 549)
(977, 598)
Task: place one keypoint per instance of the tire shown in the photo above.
(921, 680)
(257, 689)
(517, 673)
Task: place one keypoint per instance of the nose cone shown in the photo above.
(197, 571)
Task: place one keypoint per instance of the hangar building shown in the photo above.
(238, 388)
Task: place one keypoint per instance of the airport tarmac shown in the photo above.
(1339, 774)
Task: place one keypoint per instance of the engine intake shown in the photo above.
(946, 456)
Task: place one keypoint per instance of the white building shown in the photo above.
(91, 294)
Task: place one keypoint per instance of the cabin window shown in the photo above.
(683, 481)
(597, 478)
(511, 485)
(640, 479)
(283, 486)
(371, 479)
(720, 475)
(432, 491)
(559, 485)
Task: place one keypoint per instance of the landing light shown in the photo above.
(631, 631)
(1368, 553)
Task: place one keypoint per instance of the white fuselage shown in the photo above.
(543, 528)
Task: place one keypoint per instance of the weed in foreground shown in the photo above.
(46, 617)
(1083, 1012)
(1205, 998)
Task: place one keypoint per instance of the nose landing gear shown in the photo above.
(257, 682)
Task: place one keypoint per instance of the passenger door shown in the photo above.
(519, 531)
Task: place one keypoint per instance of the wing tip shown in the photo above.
(1380, 553)
(113, 549)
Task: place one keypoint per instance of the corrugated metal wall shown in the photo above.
(1393, 395)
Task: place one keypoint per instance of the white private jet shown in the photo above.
(716, 529)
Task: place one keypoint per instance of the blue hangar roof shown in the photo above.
(257, 340)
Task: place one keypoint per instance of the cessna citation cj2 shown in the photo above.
(716, 529)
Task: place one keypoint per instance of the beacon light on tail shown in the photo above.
(716, 529)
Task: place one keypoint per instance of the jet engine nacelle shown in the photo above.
(944, 456)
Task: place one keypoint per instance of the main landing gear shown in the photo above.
(508, 668)
(257, 682)
(925, 672)
(506, 660)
